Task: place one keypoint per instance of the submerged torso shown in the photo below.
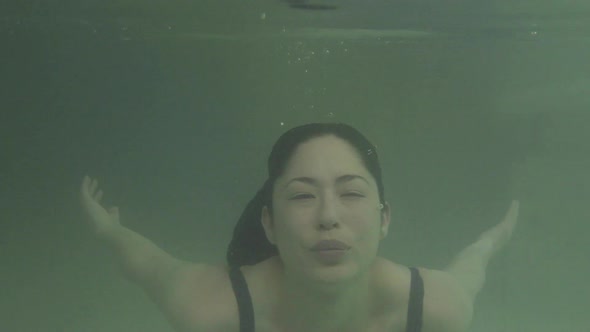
(391, 283)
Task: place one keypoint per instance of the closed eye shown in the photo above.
(353, 194)
(302, 196)
(306, 196)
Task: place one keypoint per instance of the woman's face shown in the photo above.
(326, 193)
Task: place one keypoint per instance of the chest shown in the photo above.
(396, 307)
(392, 323)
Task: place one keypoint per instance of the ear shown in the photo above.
(268, 225)
(385, 219)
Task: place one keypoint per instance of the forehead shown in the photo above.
(325, 156)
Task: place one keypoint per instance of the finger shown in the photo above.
(98, 196)
(85, 184)
(511, 216)
(513, 209)
(93, 186)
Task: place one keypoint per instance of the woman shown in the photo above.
(304, 252)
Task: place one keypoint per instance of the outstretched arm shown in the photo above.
(139, 258)
(143, 262)
(469, 266)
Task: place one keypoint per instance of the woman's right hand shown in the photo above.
(101, 220)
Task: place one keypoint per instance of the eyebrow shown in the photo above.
(340, 179)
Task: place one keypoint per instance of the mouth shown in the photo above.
(327, 245)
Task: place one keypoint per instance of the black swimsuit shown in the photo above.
(246, 310)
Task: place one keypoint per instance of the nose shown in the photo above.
(328, 224)
(328, 216)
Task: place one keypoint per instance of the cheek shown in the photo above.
(289, 230)
(294, 221)
(368, 231)
(291, 245)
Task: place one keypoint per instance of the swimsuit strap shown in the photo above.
(245, 308)
(414, 320)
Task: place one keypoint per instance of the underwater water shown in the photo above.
(174, 108)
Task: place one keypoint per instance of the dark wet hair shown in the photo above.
(249, 244)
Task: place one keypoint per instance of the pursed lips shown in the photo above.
(330, 245)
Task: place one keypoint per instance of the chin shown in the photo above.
(327, 270)
(336, 273)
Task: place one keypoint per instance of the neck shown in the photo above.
(336, 306)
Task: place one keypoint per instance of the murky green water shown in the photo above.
(174, 107)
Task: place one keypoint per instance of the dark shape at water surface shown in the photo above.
(311, 6)
(304, 4)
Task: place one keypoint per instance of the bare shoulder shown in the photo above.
(446, 304)
(202, 299)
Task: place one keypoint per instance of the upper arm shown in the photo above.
(197, 297)
(447, 307)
